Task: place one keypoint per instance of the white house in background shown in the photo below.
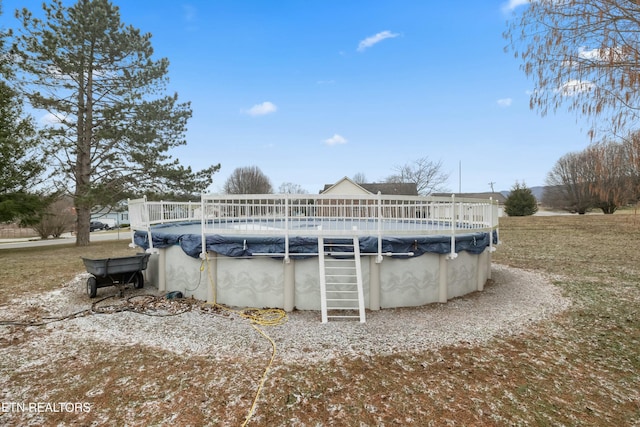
(498, 197)
(347, 187)
(112, 218)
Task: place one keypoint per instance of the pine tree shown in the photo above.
(21, 166)
(97, 78)
(521, 201)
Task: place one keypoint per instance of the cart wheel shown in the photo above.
(92, 287)
(138, 280)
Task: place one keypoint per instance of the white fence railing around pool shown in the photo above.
(321, 214)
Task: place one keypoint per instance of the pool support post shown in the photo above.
(374, 283)
(162, 270)
(479, 266)
(289, 285)
(212, 265)
(442, 278)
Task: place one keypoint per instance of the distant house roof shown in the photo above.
(348, 186)
(495, 196)
(345, 186)
(396, 189)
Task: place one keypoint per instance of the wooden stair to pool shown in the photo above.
(341, 293)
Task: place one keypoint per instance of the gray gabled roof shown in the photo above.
(386, 188)
(393, 189)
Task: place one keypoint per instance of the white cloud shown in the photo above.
(608, 55)
(504, 102)
(262, 109)
(512, 4)
(593, 54)
(50, 119)
(613, 54)
(370, 41)
(189, 12)
(190, 18)
(575, 87)
(335, 140)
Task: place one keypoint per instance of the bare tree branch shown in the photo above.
(582, 54)
(425, 173)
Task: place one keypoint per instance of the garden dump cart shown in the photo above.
(115, 272)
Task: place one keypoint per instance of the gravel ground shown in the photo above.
(513, 300)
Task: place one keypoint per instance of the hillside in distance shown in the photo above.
(537, 192)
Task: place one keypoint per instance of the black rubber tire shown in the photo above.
(92, 287)
(138, 280)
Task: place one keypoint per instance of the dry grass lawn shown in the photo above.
(579, 368)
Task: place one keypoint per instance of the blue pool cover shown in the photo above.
(184, 235)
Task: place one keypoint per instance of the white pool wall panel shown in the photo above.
(261, 281)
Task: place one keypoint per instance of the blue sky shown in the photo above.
(311, 91)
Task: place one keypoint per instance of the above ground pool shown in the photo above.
(317, 252)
